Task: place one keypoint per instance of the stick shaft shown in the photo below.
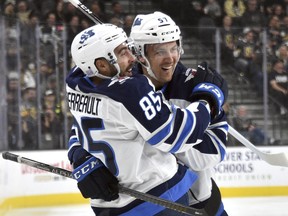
(276, 159)
(85, 11)
(136, 194)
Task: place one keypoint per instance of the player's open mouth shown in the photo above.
(167, 68)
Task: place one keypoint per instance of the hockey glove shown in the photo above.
(209, 86)
(94, 179)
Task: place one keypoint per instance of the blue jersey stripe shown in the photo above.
(220, 210)
(72, 141)
(222, 150)
(185, 132)
(162, 134)
(176, 192)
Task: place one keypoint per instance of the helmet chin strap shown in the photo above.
(108, 77)
(102, 76)
(148, 68)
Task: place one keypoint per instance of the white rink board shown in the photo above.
(22, 180)
(242, 167)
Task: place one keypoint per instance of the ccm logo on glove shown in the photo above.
(86, 168)
(212, 94)
(212, 89)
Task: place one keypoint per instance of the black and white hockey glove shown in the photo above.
(94, 179)
(210, 86)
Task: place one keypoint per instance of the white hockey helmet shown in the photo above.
(98, 41)
(154, 28)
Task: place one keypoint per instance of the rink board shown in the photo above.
(241, 174)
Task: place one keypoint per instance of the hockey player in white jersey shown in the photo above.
(124, 125)
(158, 41)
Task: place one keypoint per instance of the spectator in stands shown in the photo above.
(29, 109)
(228, 38)
(59, 12)
(51, 32)
(23, 11)
(284, 29)
(13, 98)
(117, 11)
(285, 7)
(278, 11)
(12, 49)
(44, 7)
(278, 85)
(51, 122)
(243, 124)
(45, 72)
(73, 28)
(269, 4)
(97, 11)
(10, 12)
(116, 21)
(70, 10)
(48, 26)
(253, 18)
(28, 37)
(274, 33)
(235, 9)
(206, 23)
(282, 54)
(85, 23)
(213, 9)
(28, 75)
(245, 53)
(128, 22)
(196, 12)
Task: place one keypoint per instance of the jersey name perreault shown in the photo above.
(83, 103)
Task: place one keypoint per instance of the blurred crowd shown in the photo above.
(241, 24)
(246, 28)
(35, 61)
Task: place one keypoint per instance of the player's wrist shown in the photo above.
(206, 104)
(87, 166)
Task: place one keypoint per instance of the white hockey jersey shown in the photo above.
(128, 126)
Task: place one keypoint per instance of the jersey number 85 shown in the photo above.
(151, 104)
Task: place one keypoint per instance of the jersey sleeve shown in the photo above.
(73, 143)
(211, 150)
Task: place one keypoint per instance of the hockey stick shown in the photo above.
(276, 159)
(85, 11)
(136, 194)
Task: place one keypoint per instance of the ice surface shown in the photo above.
(256, 206)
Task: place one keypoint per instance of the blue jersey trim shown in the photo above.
(222, 150)
(158, 137)
(185, 132)
(176, 192)
(179, 184)
(72, 141)
(220, 210)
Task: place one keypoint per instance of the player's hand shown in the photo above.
(209, 85)
(94, 179)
